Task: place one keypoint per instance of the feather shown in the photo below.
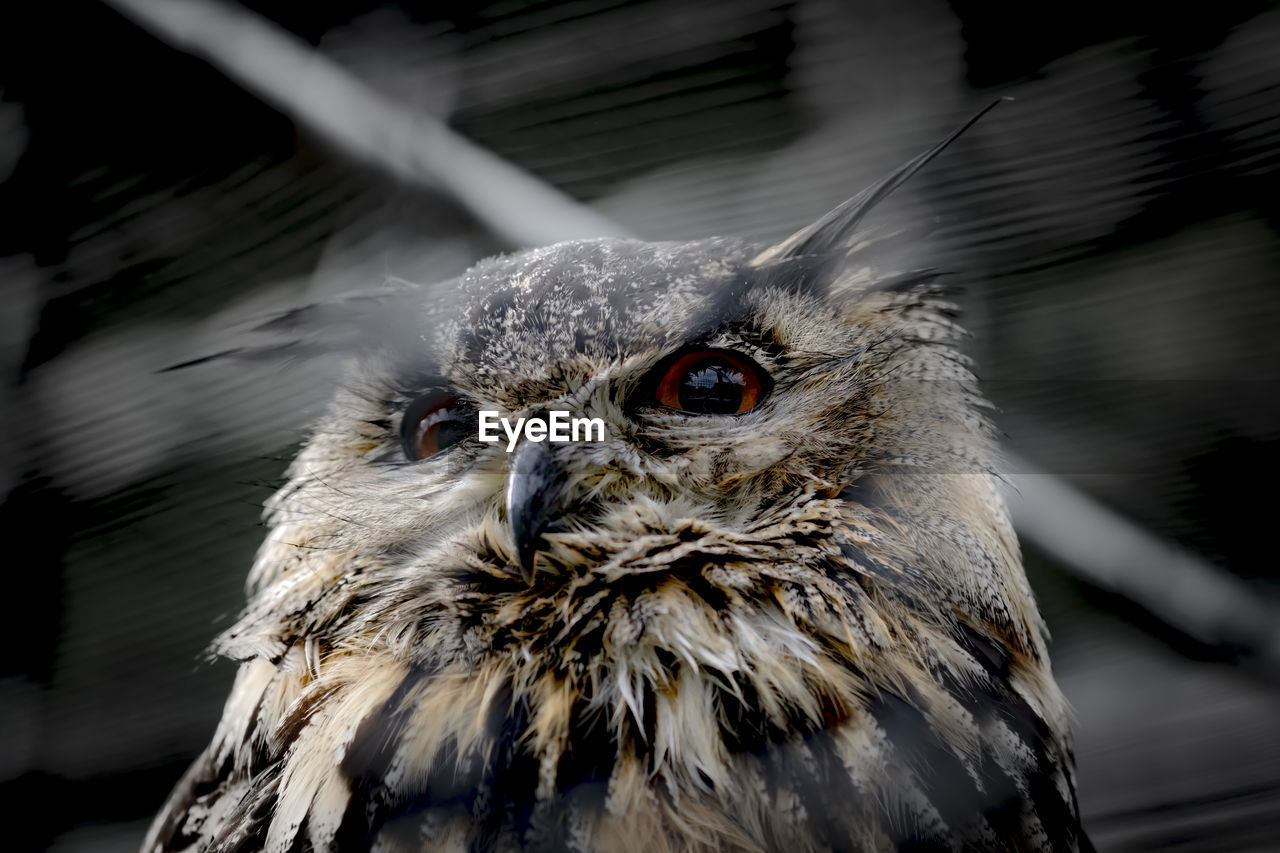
(833, 231)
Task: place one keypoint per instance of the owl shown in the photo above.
(773, 603)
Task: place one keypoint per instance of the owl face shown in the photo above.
(730, 390)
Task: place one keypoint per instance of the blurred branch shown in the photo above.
(407, 144)
(1107, 550)
(1096, 544)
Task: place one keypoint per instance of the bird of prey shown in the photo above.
(776, 605)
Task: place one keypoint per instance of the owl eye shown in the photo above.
(711, 382)
(432, 423)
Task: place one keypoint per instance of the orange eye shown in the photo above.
(432, 423)
(712, 382)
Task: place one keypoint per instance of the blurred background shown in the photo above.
(175, 171)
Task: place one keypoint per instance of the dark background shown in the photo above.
(1115, 228)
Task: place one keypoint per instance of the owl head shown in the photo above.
(775, 589)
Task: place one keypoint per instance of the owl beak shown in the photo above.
(535, 497)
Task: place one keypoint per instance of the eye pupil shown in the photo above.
(710, 382)
(713, 389)
(432, 423)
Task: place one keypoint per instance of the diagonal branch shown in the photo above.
(1109, 551)
(407, 144)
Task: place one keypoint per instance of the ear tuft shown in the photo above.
(833, 231)
(345, 323)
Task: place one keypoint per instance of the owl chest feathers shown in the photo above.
(786, 689)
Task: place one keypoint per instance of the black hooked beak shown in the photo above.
(536, 495)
